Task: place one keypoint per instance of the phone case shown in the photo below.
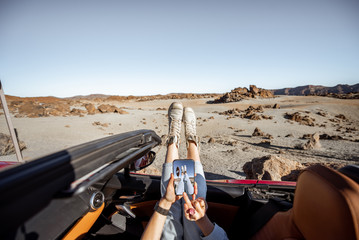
(183, 171)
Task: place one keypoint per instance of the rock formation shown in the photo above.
(6, 145)
(249, 113)
(270, 168)
(297, 117)
(107, 108)
(90, 108)
(313, 143)
(33, 109)
(343, 91)
(78, 112)
(276, 168)
(239, 94)
(330, 137)
(258, 133)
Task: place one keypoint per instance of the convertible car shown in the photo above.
(92, 191)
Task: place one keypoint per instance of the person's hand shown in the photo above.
(170, 195)
(196, 209)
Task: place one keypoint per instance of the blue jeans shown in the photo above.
(177, 226)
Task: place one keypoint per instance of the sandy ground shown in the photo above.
(234, 144)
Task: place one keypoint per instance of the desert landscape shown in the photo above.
(247, 132)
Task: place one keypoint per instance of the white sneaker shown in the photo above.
(175, 113)
(189, 120)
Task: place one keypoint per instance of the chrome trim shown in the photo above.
(94, 198)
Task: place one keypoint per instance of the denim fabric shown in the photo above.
(177, 226)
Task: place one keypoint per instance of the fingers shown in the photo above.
(195, 191)
(203, 203)
(197, 206)
(170, 192)
(189, 212)
(186, 199)
(171, 179)
(170, 183)
(186, 207)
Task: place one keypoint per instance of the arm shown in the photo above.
(155, 225)
(205, 225)
(196, 211)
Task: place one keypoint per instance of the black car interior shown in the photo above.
(47, 197)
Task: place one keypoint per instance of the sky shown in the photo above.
(76, 47)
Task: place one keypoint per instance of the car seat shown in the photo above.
(326, 206)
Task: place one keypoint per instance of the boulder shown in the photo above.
(6, 145)
(91, 110)
(297, 117)
(239, 94)
(121, 111)
(241, 90)
(57, 108)
(276, 106)
(253, 89)
(32, 110)
(14, 105)
(321, 113)
(271, 167)
(257, 133)
(313, 143)
(78, 112)
(249, 113)
(106, 108)
(330, 137)
(341, 116)
(100, 124)
(266, 94)
(211, 140)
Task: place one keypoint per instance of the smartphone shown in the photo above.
(183, 171)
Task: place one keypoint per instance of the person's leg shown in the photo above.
(180, 187)
(189, 186)
(171, 155)
(173, 228)
(175, 114)
(192, 143)
(192, 151)
(191, 230)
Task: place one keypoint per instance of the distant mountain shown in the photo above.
(318, 90)
(88, 97)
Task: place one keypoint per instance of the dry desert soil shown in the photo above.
(226, 138)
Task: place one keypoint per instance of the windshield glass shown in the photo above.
(266, 138)
(274, 87)
(7, 150)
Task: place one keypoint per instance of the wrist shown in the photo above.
(205, 225)
(164, 203)
(203, 219)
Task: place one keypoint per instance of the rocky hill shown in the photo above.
(34, 107)
(240, 93)
(318, 90)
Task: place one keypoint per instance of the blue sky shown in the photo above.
(66, 48)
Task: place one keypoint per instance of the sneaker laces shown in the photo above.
(190, 128)
(175, 127)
